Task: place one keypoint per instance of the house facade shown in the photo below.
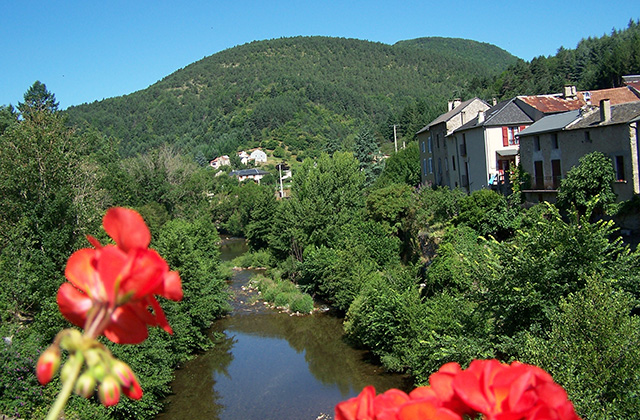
(553, 145)
(472, 146)
(258, 156)
(220, 161)
(252, 174)
(487, 146)
(437, 150)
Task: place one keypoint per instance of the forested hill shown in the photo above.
(310, 93)
(481, 54)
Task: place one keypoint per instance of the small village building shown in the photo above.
(220, 161)
(252, 174)
(244, 157)
(258, 156)
(436, 151)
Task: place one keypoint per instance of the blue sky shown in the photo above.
(89, 50)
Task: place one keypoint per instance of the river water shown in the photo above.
(271, 365)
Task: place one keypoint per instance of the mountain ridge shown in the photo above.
(309, 94)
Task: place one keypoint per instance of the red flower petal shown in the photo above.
(357, 408)
(467, 387)
(171, 287)
(126, 326)
(73, 304)
(82, 273)
(425, 410)
(146, 274)
(127, 228)
(113, 266)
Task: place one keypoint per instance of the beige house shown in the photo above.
(487, 146)
(438, 150)
(554, 144)
(220, 161)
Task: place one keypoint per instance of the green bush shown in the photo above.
(593, 351)
(283, 293)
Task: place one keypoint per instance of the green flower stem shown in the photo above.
(65, 392)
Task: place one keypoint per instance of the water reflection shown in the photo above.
(270, 365)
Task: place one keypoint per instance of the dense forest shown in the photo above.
(595, 63)
(309, 94)
(423, 276)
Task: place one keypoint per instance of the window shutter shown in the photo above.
(505, 137)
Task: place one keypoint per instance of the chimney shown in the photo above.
(494, 101)
(480, 117)
(570, 92)
(454, 104)
(605, 110)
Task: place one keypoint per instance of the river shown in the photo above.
(271, 365)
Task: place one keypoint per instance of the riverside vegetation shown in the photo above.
(424, 276)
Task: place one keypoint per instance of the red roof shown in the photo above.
(621, 95)
(550, 104)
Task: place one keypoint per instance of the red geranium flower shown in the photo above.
(112, 288)
(516, 391)
(494, 390)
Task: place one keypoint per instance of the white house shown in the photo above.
(258, 156)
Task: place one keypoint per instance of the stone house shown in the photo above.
(554, 144)
(437, 149)
(478, 152)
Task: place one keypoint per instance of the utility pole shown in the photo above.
(281, 190)
(395, 138)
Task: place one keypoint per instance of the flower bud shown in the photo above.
(133, 391)
(92, 357)
(85, 385)
(123, 372)
(98, 372)
(71, 340)
(109, 391)
(48, 364)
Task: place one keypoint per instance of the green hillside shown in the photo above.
(309, 94)
(486, 56)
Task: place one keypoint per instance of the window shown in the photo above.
(554, 140)
(430, 145)
(424, 167)
(463, 146)
(587, 136)
(536, 143)
(619, 165)
(509, 136)
(430, 162)
(424, 148)
(453, 162)
(538, 175)
(556, 173)
(512, 132)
